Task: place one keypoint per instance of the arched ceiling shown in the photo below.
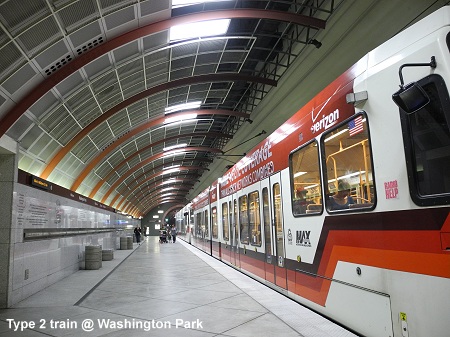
(85, 84)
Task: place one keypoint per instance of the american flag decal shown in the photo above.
(355, 126)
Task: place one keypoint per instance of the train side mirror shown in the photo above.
(411, 98)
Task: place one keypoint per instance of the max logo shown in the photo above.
(302, 238)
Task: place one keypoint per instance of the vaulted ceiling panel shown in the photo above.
(119, 123)
(20, 127)
(85, 148)
(127, 52)
(49, 151)
(34, 41)
(78, 14)
(130, 91)
(120, 17)
(102, 135)
(98, 67)
(87, 112)
(16, 81)
(12, 59)
(48, 102)
(102, 72)
(70, 84)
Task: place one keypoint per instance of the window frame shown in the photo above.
(291, 177)
(225, 222)
(257, 212)
(325, 195)
(214, 223)
(243, 216)
(413, 181)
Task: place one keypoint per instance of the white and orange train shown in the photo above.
(345, 207)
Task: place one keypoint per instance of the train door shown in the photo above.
(235, 251)
(226, 229)
(269, 265)
(278, 230)
(208, 234)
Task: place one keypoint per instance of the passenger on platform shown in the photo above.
(169, 235)
(137, 233)
(341, 199)
(174, 234)
(162, 236)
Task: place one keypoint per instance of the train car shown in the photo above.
(201, 210)
(345, 207)
(184, 222)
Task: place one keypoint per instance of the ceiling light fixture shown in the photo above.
(199, 29)
(184, 106)
(179, 118)
(315, 43)
(174, 153)
(181, 3)
(176, 146)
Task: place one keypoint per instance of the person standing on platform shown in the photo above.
(137, 233)
(174, 233)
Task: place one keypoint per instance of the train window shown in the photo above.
(254, 218)
(235, 212)
(230, 207)
(198, 224)
(427, 145)
(278, 219)
(215, 226)
(266, 219)
(348, 166)
(243, 219)
(225, 223)
(206, 224)
(305, 180)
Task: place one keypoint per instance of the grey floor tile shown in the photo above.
(215, 319)
(174, 285)
(267, 325)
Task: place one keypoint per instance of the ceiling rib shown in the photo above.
(157, 174)
(123, 162)
(46, 85)
(145, 162)
(151, 91)
(189, 178)
(132, 187)
(93, 163)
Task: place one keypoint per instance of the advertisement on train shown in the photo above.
(271, 155)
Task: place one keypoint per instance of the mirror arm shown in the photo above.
(431, 64)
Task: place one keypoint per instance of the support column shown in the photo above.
(8, 176)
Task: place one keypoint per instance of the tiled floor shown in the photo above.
(163, 290)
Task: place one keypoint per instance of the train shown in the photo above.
(345, 207)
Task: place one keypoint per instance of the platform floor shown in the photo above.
(163, 290)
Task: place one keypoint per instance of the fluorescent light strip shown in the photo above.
(174, 153)
(199, 29)
(298, 174)
(174, 146)
(347, 176)
(184, 106)
(179, 118)
(181, 3)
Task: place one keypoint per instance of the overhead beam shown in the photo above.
(156, 121)
(181, 190)
(127, 174)
(139, 184)
(123, 162)
(46, 85)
